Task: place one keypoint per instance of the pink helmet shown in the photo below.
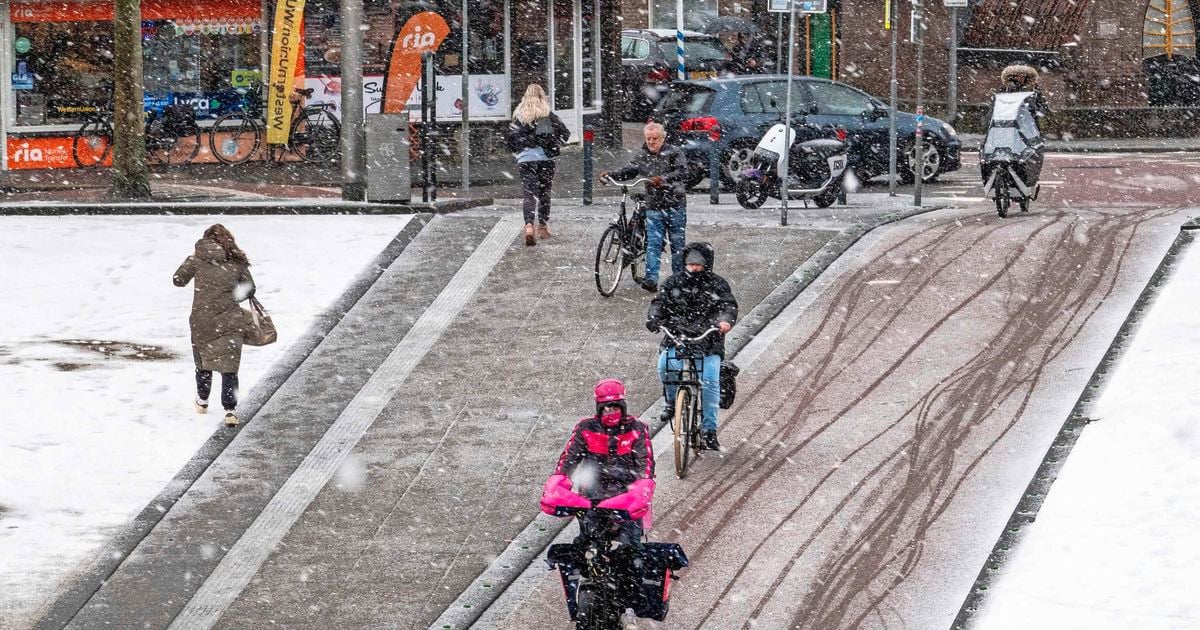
(610, 391)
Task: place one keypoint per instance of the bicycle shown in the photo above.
(241, 132)
(623, 243)
(168, 140)
(688, 411)
(315, 135)
(601, 579)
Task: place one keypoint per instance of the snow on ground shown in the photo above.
(1116, 545)
(93, 431)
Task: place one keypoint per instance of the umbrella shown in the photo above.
(730, 24)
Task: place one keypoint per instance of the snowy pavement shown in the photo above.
(96, 368)
(1116, 543)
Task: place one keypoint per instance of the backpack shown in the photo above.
(546, 135)
(729, 372)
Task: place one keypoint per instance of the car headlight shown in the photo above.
(950, 130)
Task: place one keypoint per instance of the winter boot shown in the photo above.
(231, 420)
(543, 232)
(201, 406)
(710, 441)
(667, 414)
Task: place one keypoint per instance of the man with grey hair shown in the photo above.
(666, 199)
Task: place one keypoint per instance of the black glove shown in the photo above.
(653, 325)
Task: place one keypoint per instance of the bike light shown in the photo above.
(841, 134)
(704, 124)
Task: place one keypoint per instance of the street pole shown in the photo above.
(354, 133)
(130, 179)
(784, 186)
(952, 113)
(464, 141)
(892, 136)
(779, 43)
(919, 149)
(680, 67)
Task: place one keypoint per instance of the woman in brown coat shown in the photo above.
(222, 274)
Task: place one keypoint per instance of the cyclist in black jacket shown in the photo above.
(687, 305)
(666, 198)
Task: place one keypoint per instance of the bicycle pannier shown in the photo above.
(729, 372)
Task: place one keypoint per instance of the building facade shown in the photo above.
(56, 62)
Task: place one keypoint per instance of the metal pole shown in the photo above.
(787, 134)
(464, 141)
(892, 136)
(952, 114)
(779, 43)
(680, 66)
(433, 131)
(589, 135)
(354, 136)
(919, 149)
(425, 92)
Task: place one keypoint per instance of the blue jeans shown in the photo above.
(710, 384)
(672, 222)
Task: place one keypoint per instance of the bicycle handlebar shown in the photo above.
(683, 340)
(635, 182)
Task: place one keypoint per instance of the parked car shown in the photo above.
(732, 114)
(648, 65)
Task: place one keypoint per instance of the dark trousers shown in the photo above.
(229, 385)
(536, 178)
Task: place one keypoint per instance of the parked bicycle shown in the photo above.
(685, 424)
(314, 135)
(623, 243)
(172, 135)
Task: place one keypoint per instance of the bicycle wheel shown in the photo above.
(92, 143)
(316, 136)
(174, 149)
(637, 247)
(681, 425)
(234, 138)
(610, 261)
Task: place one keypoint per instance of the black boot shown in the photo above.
(710, 441)
(667, 414)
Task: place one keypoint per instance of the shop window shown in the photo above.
(590, 36)
(66, 67)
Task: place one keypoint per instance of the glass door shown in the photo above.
(564, 62)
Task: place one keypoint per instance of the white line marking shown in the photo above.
(247, 555)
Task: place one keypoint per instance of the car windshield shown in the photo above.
(687, 99)
(698, 49)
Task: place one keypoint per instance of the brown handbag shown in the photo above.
(260, 330)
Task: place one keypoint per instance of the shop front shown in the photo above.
(57, 62)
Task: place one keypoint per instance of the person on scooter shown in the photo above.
(687, 305)
(607, 463)
(666, 217)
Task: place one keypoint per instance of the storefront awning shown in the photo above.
(102, 10)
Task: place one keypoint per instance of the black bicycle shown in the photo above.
(236, 135)
(601, 577)
(172, 136)
(623, 243)
(685, 424)
(315, 135)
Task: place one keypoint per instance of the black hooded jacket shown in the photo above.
(671, 164)
(691, 303)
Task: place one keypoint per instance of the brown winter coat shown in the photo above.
(217, 322)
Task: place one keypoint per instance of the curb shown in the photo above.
(528, 545)
(269, 207)
(80, 589)
(1031, 502)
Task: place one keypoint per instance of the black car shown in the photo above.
(648, 65)
(731, 115)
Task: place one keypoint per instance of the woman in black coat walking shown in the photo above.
(534, 137)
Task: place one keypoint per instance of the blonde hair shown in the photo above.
(533, 106)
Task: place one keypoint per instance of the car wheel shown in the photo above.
(931, 167)
(737, 160)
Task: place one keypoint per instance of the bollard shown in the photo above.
(714, 175)
(589, 135)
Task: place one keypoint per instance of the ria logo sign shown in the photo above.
(420, 40)
(422, 33)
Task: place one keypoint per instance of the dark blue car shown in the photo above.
(733, 114)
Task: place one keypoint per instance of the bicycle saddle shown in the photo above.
(305, 92)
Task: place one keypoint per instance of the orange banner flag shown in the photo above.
(422, 33)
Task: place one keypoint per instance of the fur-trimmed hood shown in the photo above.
(1020, 70)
